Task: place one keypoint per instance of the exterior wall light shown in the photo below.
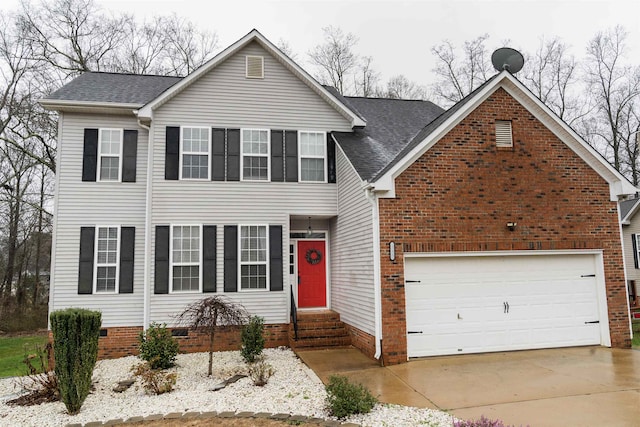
(392, 251)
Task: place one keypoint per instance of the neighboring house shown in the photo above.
(631, 245)
(491, 226)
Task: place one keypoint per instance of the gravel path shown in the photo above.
(293, 389)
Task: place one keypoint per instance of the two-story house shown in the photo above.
(489, 226)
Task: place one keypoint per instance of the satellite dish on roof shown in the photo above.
(508, 59)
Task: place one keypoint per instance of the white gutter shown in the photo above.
(373, 199)
(624, 267)
(147, 231)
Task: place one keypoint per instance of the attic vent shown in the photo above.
(255, 67)
(503, 134)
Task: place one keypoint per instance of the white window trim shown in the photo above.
(266, 262)
(184, 264)
(323, 157)
(182, 153)
(95, 260)
(98, 166)
(267, 155)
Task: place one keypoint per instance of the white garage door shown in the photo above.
(474, 304)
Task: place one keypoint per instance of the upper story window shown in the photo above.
(186, 249)
(253, 257)
(255, 147)
(110, 154)
(194, 157)
(312, 156)
(106, 259)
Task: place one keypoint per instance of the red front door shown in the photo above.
(312, 274)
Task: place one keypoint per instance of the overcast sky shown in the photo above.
(400, 34)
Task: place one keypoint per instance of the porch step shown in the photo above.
(318, 330)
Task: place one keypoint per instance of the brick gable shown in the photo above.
(461, 193)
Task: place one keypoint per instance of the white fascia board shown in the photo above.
(618, 184)
(254, 35)
(62, 105)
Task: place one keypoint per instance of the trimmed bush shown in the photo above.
(252, 339)
(345, 399)
(158, 347)
(75, 348)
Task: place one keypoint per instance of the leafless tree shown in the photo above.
(400, 87)
(366, 78)
(334, 59)
(209, 313)
(186, 48)
(615, 88)
(458, 74)
(285, 47)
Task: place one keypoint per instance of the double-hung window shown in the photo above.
(107, 255)
(253, 257)
(255, 154)
(109, 153)
(313, 155)
(186, 250)
(194, 158)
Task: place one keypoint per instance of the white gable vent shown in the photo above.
(504, 136)
(255, 67)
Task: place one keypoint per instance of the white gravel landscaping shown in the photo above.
(293, 389)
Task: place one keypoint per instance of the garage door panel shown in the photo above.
(496, 303)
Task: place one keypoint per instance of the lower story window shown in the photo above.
(106, 259)
(253, 257)
(185, 258)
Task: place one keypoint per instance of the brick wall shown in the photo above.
(461, 193)
(361, 340)
(123, 341)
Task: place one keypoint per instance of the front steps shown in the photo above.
(319, 330)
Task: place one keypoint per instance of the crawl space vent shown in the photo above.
(255, 67)
(503, 134)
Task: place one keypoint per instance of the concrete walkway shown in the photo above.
(582, 386)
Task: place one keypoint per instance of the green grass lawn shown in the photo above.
(635, 342)
(12, 352)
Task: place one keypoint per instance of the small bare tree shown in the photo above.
(400, 87)
(335, 59)
(209, 313)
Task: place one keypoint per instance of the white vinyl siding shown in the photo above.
(254, 256)
(107, 255)
(83, 204)
(255, 148)
(195, 146)
(352, 272)
(109, 154)
(312, 149)
(186, 258)
(628, 231)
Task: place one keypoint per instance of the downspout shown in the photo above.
(147, 230)
(375, 222)
(624, 267)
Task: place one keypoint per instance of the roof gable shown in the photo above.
(628, 210)
(254, 36)
(384, 182)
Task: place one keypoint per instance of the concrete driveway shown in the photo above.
(583, 386)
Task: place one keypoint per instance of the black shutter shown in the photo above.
(161, 285)
(208, 258)
(217, 157)
(127, 250)
(85, 269)
(172, 153)
(90, 155)
(331, 159)
(635, 250)
(277, 156)
(291, 154)
(230, 258)
(233, 154)
(275, 257)
(129, 155)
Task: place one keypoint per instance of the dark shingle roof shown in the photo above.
(430, 127)
(391, 124)
(626, 206)
(112, 87)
